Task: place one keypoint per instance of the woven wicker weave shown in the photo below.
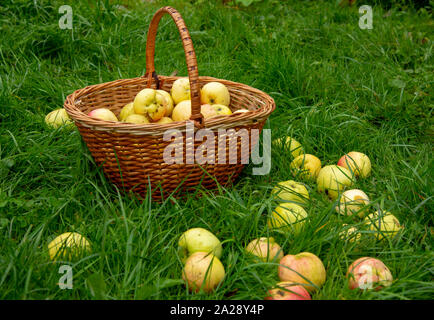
(132, 154)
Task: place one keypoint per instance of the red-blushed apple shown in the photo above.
(303, 268)
(265, 248)
(288, 290)
(291, 191)
(332, 180)
(180, 91)
(215, 93)
(103, 114)
(368, 273)
(353, 201)
(383, 224)
(287, 218)
(203, 270)
(356, 162)
(306, 166)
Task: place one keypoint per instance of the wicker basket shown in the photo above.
(132, 154)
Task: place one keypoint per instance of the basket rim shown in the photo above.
(73, 101)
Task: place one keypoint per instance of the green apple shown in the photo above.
(265, 249)
(68, 246)
(203, 270)
(287, 217)
(215, 93)
(291, 191)
(180, 90)
(384, 224)
(150, 102)
(332, 180)
(57, 118)
(307, 166)
(198, 239)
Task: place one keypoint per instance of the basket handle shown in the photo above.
(190, 57)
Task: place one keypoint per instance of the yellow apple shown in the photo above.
(164, 120)
(57, 118)
(68, 246)
(127, 110)
(293, 145)
(215, 93)
(383, 224)
(103, 114)
(265, 248)
(136, 118)
(198, 239)
(241, 111)
(332, 180)
(287, 217)
(307, 166)
(169, 100)
(353, 202)
(291, 191)
(182, 111)
(150, 102)
(180, 90)
(356, 162)
(350, 234)
(203, 270)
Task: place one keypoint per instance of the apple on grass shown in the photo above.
(368, 273)
(350, 234)
(307, 166)
(103, 114)
(68, 246)
(127, 110)
(288, 217)
(180, 90)
(383, 224)
(290, 143)
(198, 239)
(353, 201)
(203, 271)
(303, 268)
(356, 162)
(291, 191)
(332, 180)
(265, 248)
(215, 93)
(57, 118)
(287, 290)
(150, 102)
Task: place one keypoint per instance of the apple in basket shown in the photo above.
(170, 103)
(182, 111)
(57, 118)
(215, 93)
(209, 111)
(136, 118)
(127, 110)
(164, 120)
(203, 270)
(103, 114)
(150, 102)
(180, 90)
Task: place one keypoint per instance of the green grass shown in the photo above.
(337, 88)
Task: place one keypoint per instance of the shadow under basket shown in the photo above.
(170, 159)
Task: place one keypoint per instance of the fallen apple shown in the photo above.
(103, 114)
(215, 93)
(287, 217)
(288, 290)
(180, 90)
(291, 191)
(303, 268)
(350, 234)
(368, 273)
(306, 166)
(353, 201)
(127, 110)
(203, 270)
(68, 246)
(265, 248)
(170, 104)
(136, 118)
(198, 239)
(150, 102)
(290, 143)
(332, 180)
(182, 111)
(356, 162)
(57, 118)
(383, 224)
